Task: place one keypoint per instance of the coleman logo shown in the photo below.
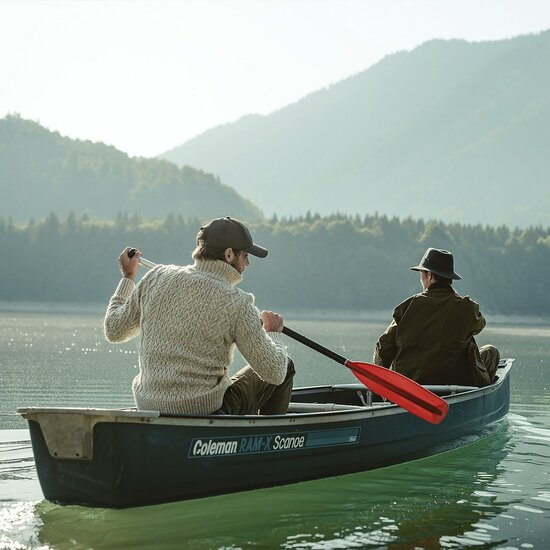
(239, 445)
(211, 447)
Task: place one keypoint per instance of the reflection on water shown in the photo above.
(18, 479)
(444, 496)
(491, 494)
(467, 497)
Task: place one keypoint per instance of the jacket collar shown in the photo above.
(439, 289)
(435, 286)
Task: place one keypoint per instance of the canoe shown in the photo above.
(119, 458)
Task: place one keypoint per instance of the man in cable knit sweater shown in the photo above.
(189, 319)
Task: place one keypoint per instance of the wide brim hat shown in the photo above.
(227, 232)
(439, 262)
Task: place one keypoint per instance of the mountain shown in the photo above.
(43, 172)
(452, 130)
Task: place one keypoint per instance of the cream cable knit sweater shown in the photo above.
(189, 320)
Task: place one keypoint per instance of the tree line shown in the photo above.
(314, 262)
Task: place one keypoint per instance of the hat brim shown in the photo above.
(257, 250)
(452, 275)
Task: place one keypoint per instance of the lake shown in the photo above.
(494, 493)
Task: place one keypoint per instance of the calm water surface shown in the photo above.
(492, 494)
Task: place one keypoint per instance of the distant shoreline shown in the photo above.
(76, 308)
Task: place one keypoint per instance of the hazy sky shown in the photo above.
(146, 76)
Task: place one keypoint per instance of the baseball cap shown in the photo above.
(230, 233)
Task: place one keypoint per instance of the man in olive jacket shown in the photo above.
(431, 337)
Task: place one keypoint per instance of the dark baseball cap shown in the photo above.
(230, 233)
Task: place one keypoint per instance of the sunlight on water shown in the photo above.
(490, 494)
(18, 479)
(19, 527)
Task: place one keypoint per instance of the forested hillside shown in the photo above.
(334, 262)
(452, 130)
(41, 172)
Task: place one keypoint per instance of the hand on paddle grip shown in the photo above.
(129, 262)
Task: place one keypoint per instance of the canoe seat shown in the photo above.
(321, 407)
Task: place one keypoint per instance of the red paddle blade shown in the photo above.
(400, 390)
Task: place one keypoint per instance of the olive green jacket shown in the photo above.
(431, 339)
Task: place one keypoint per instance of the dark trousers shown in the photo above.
(249, 394)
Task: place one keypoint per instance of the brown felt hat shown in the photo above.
(439, 262)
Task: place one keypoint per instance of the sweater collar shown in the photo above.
(220, 269)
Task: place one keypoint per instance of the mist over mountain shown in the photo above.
(42, 172)
(452, 130)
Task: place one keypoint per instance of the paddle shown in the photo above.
(387, 383)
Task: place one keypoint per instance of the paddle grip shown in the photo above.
(314, 345)
(144, 262)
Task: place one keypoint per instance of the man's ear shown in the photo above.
(229, 255)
